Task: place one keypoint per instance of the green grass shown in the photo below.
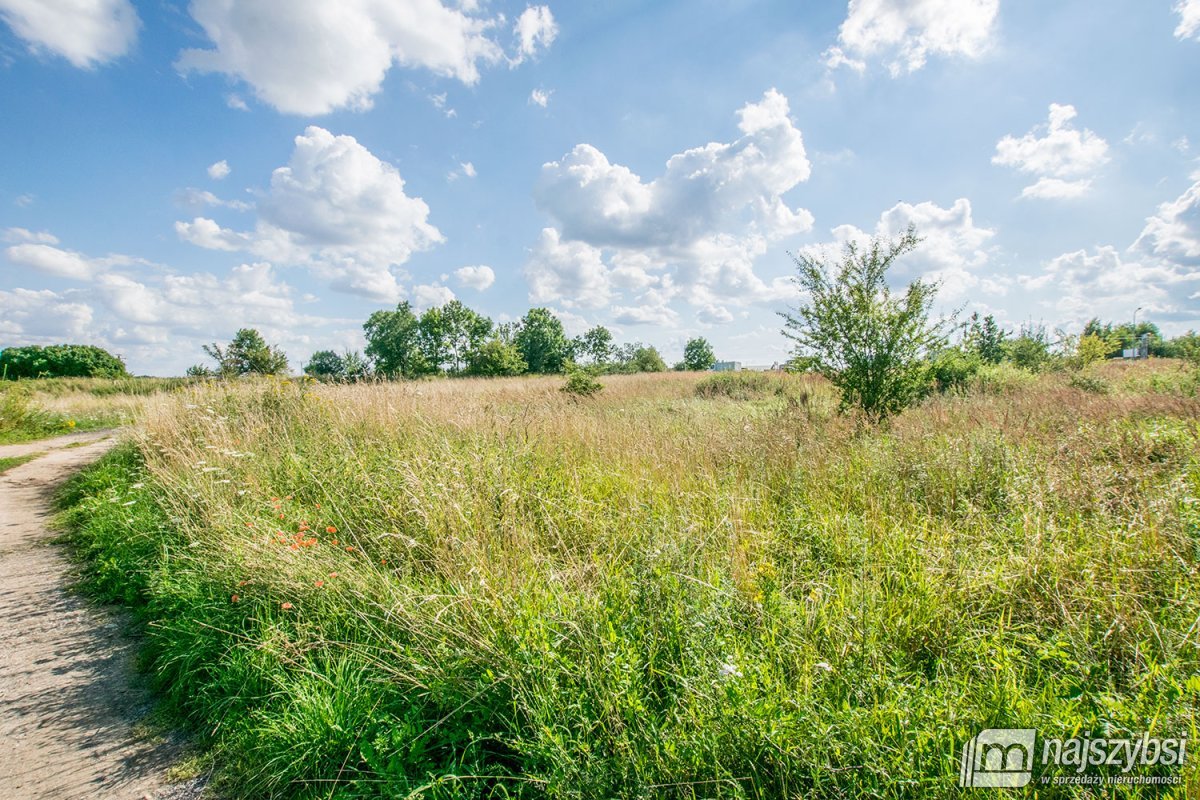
(106, 387)
(484, 589)
(8, 462)
(23, 419)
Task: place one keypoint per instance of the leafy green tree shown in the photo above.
(325, 364)
(495, 358)
(1091, 348)
(247, 354)
(596, 344)
(985, 338)
(355, 366)
(698, 354)
(60, 361)
(1127, 336)
(1030, 349)
(870, 344)
(328, 365)
(394, 343)
(952, 368)
(1186, 346)
(542, 341)
(463, 331)
(647, 359)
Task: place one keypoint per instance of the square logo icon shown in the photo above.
(998, 758)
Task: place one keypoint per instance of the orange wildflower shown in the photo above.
(234, 598)
(331, 529)
(349, 549)
(333, 574)
(286, 606)
(318, 584)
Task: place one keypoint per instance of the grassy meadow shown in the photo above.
(37, 409)
(686, 586)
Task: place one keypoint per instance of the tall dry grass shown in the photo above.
(487, 588)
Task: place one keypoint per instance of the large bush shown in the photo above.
(870, 344)
(60, 361)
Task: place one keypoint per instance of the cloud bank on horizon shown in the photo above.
(176, 174)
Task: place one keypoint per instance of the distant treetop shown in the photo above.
(60, 361)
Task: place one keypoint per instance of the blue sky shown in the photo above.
(174, 171)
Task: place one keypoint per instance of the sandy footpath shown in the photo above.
(69, 695)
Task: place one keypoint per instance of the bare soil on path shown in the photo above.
(70, 697)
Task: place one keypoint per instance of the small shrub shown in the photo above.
(1002, 379)
(952, 369)
(20, 419)
(1089, 383)
(581, 383)
(738, 385)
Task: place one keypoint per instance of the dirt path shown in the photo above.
(69, 695)
(58, 442)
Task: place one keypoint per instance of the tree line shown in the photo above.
(453, 339)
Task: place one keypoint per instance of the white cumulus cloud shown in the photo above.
(692, 232)
(540, 97)
(1061, 156)
(1174, 232)
(428, 295)
(571, 272)
(321, 56)
(1103, 284)
(50, 260)
(337, 209)
(219, 170)
(37, 251)
(1189, 19)
(478, 278)
(84, 32)
(29, 316)
(21, 235)
(954, 250)
(904, 33)
(535, 29)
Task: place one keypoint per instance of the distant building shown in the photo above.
(1141, 351)
(727, 366)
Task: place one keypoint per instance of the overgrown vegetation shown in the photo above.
(686, 587)
(22, 420)
(875, 348)
(60, 361)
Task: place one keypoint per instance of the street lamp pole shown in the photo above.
(1137, 341)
